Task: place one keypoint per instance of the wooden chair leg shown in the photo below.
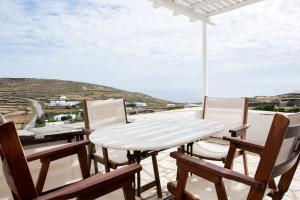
(181, 183)
(221, 192)
(180, 149)
(96, 166)
(91, 149)
(42, 175)
(272, 184)
(15, 197)
(230, 157)
(156, 175)
(83, 162)
(128, 192)
(245, 163)
(137, 155)
(285, 181)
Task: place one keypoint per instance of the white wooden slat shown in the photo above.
(233, 7)
(217, 5)
(227, 2)
(236, 1)
(221, 4)
(199, 4)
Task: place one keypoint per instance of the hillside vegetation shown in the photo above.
(15, 92)
(47, 89)
(289, 102)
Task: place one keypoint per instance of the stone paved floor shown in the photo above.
(167, 169)
(67, 170)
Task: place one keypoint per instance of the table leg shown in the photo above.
(156, 175)
(137, 155)
(106, 159)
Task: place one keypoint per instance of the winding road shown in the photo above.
(39, 112)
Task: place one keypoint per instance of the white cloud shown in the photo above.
(128, 44)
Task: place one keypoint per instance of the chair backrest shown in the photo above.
(14, 163)
(290, 148)
(232, 112)
(281, 151)
(104, 112)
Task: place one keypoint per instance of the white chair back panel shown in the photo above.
(285, 151)
(294, 119)
(260, 125)
(225, 103)
(228, 111)
(288, 144)
(106, 112)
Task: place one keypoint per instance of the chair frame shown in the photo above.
(239, 131)
(136, 156)
(109, 164)
(266, 170)
(19, 180)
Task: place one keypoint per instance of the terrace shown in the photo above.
(59, 174)
(67, 170)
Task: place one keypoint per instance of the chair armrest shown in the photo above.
(58, 152)
(239, 131)
(244, 145)
(97, 185)
(212, 172)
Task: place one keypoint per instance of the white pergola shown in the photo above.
(202, 10)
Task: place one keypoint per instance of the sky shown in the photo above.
(129, 45)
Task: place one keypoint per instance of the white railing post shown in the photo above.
(204, 62)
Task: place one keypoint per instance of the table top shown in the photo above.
(154, 134)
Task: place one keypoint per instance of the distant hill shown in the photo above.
(16, 92)
(47, 89)
(289, 102)
(270, 99)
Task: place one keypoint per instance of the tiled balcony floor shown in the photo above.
(67, 170)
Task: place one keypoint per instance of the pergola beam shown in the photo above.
(202, 10)
(181, 9)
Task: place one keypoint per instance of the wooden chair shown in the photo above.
(20, 182)
(101, 113)
(233, 113)
(98, 114)
(46, 157)
(279, 157)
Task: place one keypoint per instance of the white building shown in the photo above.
(171, 105)
(51, 124)
(141, 104)
(63, 103)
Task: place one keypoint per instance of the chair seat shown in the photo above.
(211, 150)
(200, 188)
(118, 156)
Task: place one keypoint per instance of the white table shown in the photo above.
(152, 135)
